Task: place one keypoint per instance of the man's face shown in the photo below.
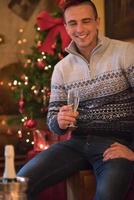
(81, 25)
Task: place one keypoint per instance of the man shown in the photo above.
(102, 71)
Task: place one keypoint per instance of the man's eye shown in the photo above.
(88, 21)
(72, 24)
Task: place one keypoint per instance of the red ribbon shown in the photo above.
(55, 27)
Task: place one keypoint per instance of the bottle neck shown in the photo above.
(9, 172)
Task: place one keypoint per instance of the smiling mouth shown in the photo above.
(82, 36)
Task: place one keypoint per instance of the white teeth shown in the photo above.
(81, 36)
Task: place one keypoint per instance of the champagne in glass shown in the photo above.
(73, 100)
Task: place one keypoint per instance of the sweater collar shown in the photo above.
(73, 49)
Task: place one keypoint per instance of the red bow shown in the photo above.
(55, 27)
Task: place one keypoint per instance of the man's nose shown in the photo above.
(80, 27)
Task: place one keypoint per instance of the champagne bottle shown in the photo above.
(9, 171)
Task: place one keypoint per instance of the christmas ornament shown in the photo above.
(55, 27)
(39, 43)
(30, 123)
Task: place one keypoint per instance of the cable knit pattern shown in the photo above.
(106, 88)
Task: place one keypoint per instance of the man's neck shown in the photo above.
(86, 52)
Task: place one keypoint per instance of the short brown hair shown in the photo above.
(69, 3)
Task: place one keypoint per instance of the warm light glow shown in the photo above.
(39, 59)
(21, 30)
(22, 119)
(26, 78)
(1, 83)
(27, 140)
(15, 82)
(35, 91)
(38, 28)
(19, 83)
(19, 133)
(25, 118)
(41, 146)
(24, 40)
(46, 147)
(33, 87)
(43, 53)
(19, 42)
(22, 51)
(32, 142)
(46, 68)
(26, 83)
(28, 133)
(9, 84)
(3, 122)
(29, 61)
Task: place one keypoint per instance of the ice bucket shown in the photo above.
(14, 190)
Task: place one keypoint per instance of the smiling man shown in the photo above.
(102, 70)
(83, 30)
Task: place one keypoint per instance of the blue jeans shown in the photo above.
(67, 157)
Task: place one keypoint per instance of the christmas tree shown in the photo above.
(32, 88)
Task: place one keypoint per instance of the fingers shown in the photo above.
(65, 116)
(117, 150)
(65, 108)
(114, 151)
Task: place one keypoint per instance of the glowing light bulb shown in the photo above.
(38, 28)
(19, 42)
(27, 140)
(41, 146)
(3, 122)
(25, 83)
(9, 84)
(21, 30)
(46, 68)
(1, 83)
(38, 59)
(15, 82)
(44, 57)
(29, 61)
(24, 40)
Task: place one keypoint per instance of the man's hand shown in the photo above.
(66, 116)
(117, 150)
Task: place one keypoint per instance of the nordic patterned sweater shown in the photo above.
(106, 88)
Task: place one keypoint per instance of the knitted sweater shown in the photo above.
(106, 88)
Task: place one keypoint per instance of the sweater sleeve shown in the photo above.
(128, 64)
(57, 99)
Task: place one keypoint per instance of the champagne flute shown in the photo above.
(73, 100)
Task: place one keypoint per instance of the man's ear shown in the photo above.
(65, 25)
